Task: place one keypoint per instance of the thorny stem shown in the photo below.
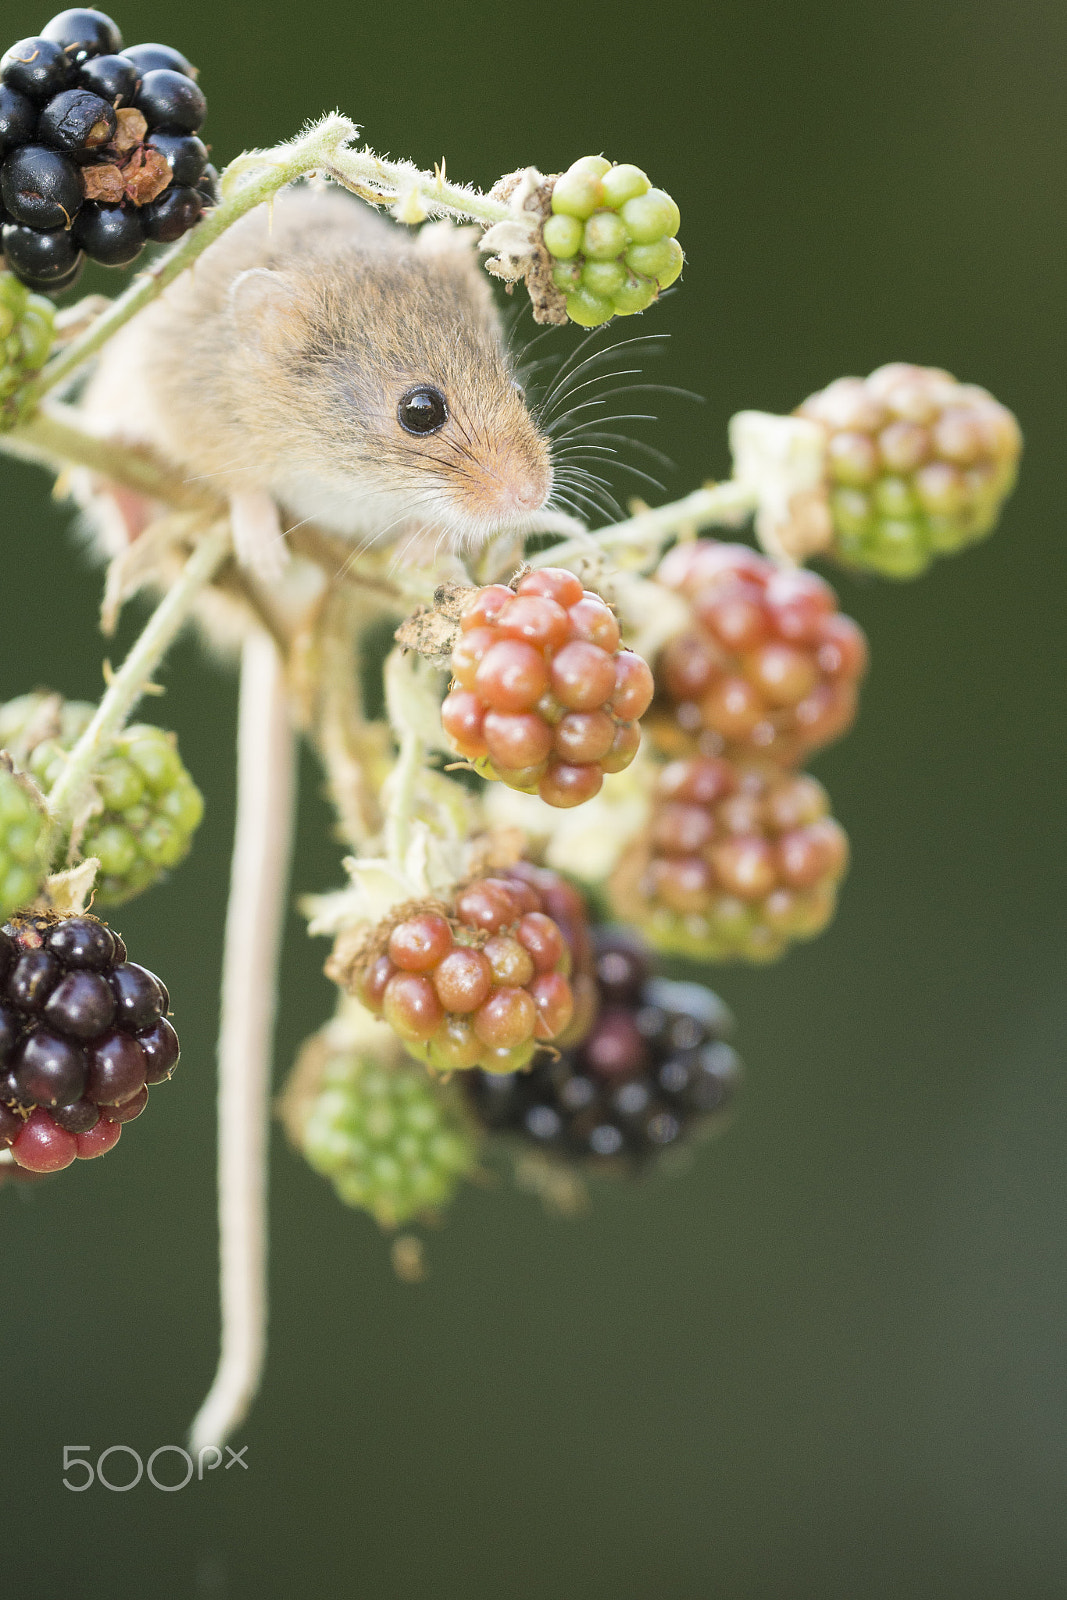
(384, 182)
(254, 921)
(720, 504)
(128, 684)
(249, 181)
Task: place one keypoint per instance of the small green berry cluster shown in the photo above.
(24, 838)
(26, 327)
(918, 465)
(151, 806)
(612, 237)
(386, 1137)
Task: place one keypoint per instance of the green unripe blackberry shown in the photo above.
(390, 1140)
(24, 843)
(604, 237)
(26, 330)
(917, 465)
(611, 235)
(587, 309)
(563, 236)
(150, 805)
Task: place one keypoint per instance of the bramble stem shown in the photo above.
(254, 922)
(384, 182)
(129, 683)
(721, 504)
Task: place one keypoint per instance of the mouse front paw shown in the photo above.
(258, 537)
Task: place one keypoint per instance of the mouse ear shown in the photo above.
(445, 238)
(264, 306)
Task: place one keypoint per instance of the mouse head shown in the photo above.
(397, 390)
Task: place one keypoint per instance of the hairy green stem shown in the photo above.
(721, 504)
(129, 683)
(384, 182)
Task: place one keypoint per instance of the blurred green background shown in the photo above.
(831, 1360)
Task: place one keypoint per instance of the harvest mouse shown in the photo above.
(321, 363)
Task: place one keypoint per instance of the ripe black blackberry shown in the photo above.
(654, 1072)
(98, 150)
(83, 1033)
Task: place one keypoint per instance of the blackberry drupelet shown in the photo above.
(737, 862)
(478, 982)
(768, 665)
(83, 1033)
(26, 330)
(391, 1140)
(149, 805)
(918, 465)
(612, 237)
(98, 150)
(546, 699)
(654, 1072)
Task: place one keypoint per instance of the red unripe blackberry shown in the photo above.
(654, 1071)
(483, 981)
(918, 465)
(768, 665)
(82, 1035)
(544, 697)
(737, 862)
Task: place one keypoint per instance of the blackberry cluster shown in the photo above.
(150, 805)
(919, 465)
(737, 862)
(25, 836)
(655, 1071)
(384, 1133)
(83, 1033)
(612, 237)
(478, 983)
(545, 698)
(99, 151)
(26, 329)
(768, 666)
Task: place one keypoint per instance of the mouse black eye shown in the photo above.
(422, 410)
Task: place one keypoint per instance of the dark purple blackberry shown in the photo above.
(208, 187)
(49, 260)
(159, 58)
(54, 286)
(76, 121)
(114, 78)
(18, 119)
(185, 155)
(40, 187)
(171, 102)
(173, 214)
(112, 235)
(654, 1072)
(83, 1033)
(81, 34)
(37, 68)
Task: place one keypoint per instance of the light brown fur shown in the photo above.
(276, 365)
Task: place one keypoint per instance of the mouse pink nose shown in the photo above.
(527, 495)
